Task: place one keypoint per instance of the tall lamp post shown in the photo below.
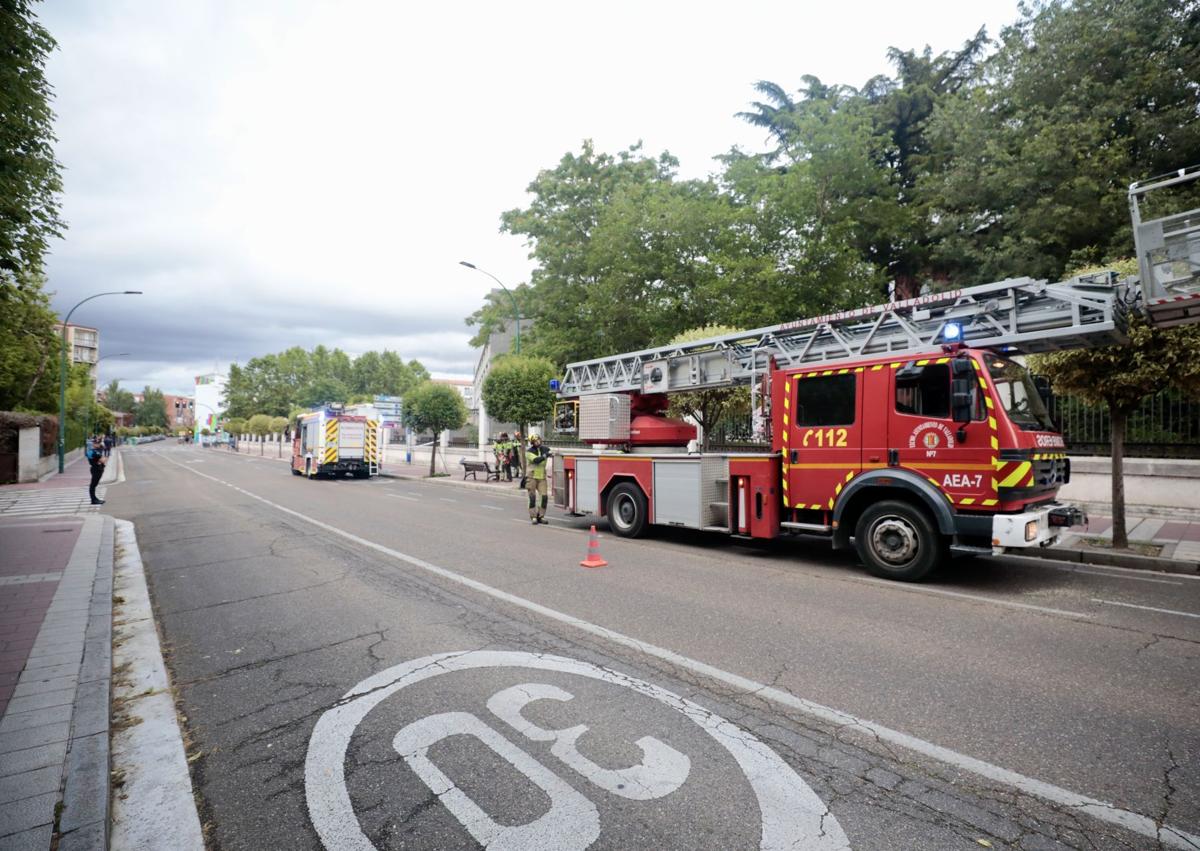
(62, 375)
(516, 309)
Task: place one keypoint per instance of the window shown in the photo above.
(924, 391)
(825, 401)
(1019, 396)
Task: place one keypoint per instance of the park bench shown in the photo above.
(470, 468)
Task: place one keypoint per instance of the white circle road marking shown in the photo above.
(793, 816)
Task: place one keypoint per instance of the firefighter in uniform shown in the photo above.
(535, 458)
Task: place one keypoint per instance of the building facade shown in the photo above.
(83, 345)
(208, 401)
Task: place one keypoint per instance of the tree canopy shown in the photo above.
(278, 384)
(433, 407)
(517, 390)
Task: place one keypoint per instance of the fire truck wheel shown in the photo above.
(896, 540)
(627, 510)
(296, 472)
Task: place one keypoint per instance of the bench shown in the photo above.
(470, 468)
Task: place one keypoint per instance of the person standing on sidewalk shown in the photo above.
(95, 456)
(536, 457)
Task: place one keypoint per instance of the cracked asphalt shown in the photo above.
(877, 702)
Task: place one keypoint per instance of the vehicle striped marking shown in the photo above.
(1100, 810)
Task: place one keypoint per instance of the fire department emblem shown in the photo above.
(931, 435)
(930, 440)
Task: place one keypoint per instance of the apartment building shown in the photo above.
(83, 345)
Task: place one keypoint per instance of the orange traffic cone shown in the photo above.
(593, 552)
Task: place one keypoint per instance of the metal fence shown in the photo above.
(1165, 425)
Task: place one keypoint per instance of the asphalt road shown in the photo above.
(399, 664)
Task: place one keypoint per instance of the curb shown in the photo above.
(1110, 558)
(455, 483)
(156, 799)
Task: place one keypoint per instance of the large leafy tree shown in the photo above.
(152, 410)
(30, 185)
(30, 181)
(1080, 100)
(434, 407)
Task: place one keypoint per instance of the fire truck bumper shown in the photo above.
(1040, 528)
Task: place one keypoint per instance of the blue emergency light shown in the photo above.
(554, 384)
(952, 332)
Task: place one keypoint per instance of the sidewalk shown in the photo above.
(56, 568)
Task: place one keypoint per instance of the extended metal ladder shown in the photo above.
(1017, 315)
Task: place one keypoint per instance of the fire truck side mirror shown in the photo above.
(962, 399)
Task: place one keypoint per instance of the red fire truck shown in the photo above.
(905, 428)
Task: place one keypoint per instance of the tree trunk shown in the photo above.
(433, 453)
(1119, 419)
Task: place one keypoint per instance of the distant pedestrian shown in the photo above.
(516, 466)
(95, 456)
(108, 444)
(535, 483)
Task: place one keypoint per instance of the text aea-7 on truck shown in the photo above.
(905, 428)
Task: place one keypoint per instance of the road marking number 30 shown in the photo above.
(793, 816)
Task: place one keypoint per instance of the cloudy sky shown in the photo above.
(292, 173)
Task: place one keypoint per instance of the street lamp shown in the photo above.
(62, 375)
(516, 309)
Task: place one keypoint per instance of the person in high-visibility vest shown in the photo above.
(535, 483)
(500, 450)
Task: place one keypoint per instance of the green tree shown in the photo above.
(30, 181)
(151, 411)
(259, 425)
(234, 425)
(117, 399)
(1121, 377)
(29, 345)
(517, 390)
(432, 407)
(1080, 100)
(708, 407)
(278, 425)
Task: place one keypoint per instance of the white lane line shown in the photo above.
(403, 496)
(1146, 608)
(492, 507)
(447, 499)
(1134, 822)
(976, 597)
(1120, 576)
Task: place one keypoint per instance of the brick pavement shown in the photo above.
(55, 662)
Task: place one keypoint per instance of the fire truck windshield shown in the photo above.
(1018, 395)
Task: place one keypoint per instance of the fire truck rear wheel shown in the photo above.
(897, 540)
(627, 510)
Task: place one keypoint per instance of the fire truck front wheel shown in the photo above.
(897, 540)
(627, 510)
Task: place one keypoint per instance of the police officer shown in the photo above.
(96, 460)
(535, 458)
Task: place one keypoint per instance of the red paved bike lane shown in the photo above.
(33, 554)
